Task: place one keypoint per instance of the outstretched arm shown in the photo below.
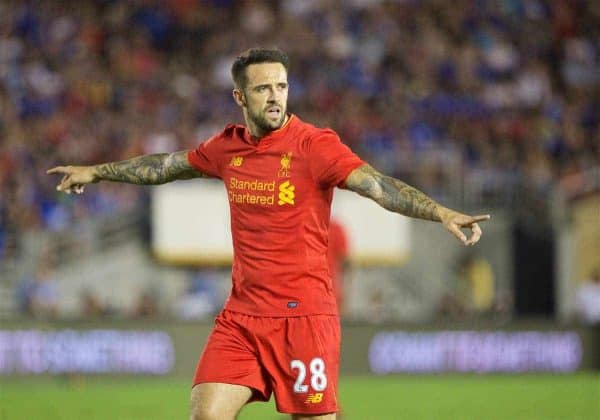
(142, 170)
(396, 196)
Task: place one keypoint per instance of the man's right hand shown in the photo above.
(74, 177)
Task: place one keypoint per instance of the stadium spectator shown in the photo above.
(38, 294)
(91, 306)
(587, 299)
(474, 291)
(201, 299)
(477, 274)
(337, 255)
(147, 305)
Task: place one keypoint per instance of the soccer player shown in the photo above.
(279, 330)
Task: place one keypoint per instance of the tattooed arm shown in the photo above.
(394, 195)
(142, 170)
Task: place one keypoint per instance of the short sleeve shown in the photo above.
(331, 161)
(205, 157)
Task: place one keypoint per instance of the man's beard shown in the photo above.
(264, 125)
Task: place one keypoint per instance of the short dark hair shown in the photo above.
(256, 56)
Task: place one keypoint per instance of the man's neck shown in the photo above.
(256, 132)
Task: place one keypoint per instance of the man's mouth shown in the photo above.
(274, 112)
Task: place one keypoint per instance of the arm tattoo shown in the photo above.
(149, 169)
(392, 194)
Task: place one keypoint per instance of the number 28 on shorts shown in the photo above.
(318, 379)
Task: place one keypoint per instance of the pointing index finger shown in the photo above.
(480, 218)
(57, 170)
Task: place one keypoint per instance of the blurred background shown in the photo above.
(486, 105)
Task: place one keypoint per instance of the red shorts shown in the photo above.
(297, 358)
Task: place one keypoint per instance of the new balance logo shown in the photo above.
(314, 398)
(236, 161)
(286, 194)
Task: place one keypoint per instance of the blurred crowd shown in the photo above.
(497, 94)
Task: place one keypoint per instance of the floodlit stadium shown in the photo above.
(108, 296)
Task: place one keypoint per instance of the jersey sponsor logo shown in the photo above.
(286, 193)
(286, 164)
(236, 161)
(251, 192)
(254, 185)
(315, 398)
(261, 192)
(249, 198)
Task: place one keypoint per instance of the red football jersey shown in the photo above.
(280, 190)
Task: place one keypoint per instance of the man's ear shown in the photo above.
(239, 98)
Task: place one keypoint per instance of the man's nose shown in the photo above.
(273, 96)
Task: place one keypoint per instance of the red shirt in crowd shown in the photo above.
(337, 253)
(280, 190)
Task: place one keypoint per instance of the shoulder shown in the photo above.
(314, 136)
(311, 130)
(229, 133)
(323, 140)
